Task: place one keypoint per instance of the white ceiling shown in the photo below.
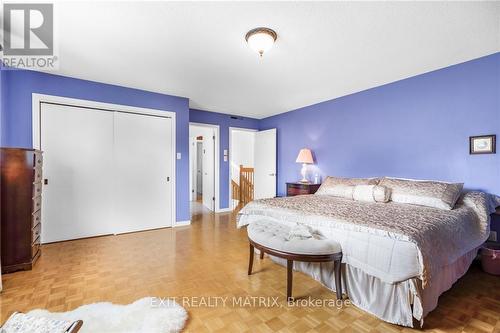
(324, 49)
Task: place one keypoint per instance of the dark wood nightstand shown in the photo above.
(301, 188)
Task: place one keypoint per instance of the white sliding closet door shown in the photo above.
(78, 166)
(142, 172)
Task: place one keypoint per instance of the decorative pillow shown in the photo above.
(343, 187)
(371, 193)
(342, 191)
(423, 192)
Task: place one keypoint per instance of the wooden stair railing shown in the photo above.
(246, 184)
(235, 190)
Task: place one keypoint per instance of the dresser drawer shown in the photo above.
(37, 175)
(36, 218)
(35, 232)
(297, 186)
(297, 191)
(301, 188)
(37, 189)
(38, 159)
(37, 203)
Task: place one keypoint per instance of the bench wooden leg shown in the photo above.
(250, 260)
(261, 254)
(338, 279)
(289, 278)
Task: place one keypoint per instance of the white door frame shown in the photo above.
(230, 156)
(38, 99)
(193, 182)
(216, 129)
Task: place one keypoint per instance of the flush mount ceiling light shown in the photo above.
(261, 39)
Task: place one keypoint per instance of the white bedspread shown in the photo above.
(390, 241)
(384, 266)
(389, 259)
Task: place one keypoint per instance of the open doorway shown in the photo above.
(203, 166)
(252, 171)
(241, 170)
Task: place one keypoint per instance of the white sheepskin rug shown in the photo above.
(139, 317)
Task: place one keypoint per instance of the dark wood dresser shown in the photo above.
(21, 201)
(301, 188)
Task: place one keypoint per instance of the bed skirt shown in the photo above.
(401, 303)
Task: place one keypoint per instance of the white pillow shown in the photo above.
(342, 191)
(371, 193)
(343, 187)
(428, 193)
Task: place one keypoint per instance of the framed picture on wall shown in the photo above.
(483, 144)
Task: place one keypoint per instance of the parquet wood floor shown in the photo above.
(209, 258)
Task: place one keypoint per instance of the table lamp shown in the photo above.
(305, 157)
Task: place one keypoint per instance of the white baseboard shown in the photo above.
(223, 210)
(182, 223)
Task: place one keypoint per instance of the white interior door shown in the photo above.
(142, 172)
(208, 171)
(265, 164)
(78, 165)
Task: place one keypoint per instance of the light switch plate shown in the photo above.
(225, 158)
(493, 236)
(225, 152)
(178, 156)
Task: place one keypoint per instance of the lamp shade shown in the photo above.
(305, 156)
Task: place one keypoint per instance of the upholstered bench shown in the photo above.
(275, 239)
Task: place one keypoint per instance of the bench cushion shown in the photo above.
(274, 235)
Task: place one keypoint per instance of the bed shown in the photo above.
(398, 257)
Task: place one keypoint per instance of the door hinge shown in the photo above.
(168, 179)
(213, 137)
(213, 198)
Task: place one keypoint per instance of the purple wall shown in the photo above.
(416, 128)
(224, 121)
(16, 130)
